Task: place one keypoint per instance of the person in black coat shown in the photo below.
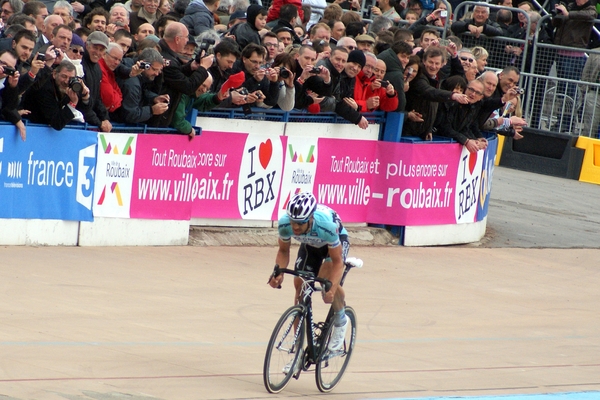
(459, 121)
(261, 83)
(96, 113)
(55, 102)
(247, 32)
(9, 94)
(178, 78)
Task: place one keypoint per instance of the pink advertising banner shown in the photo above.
(344, 176)
(397, 183)
(223, 175)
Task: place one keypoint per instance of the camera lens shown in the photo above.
(284, 73)
(75, 85)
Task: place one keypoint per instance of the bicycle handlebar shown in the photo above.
(302, 274)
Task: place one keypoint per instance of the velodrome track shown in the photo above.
(179, 323)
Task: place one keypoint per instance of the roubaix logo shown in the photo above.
(468, 181)
(260, 177)
(300, 168)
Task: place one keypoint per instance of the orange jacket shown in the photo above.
(363, 92)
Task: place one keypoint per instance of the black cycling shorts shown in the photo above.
(310, 258)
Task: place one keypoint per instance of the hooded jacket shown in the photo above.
(394, 74)
(246, 32)
(198, 18)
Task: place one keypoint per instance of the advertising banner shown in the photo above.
(224, 175)
(114, 174)
(165, 183)
(49, 176)
(344, 177)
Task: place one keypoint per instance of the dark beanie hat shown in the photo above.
(357, 56)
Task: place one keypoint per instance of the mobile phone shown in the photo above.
(443, 14)
(41, 57)
(410, 71)
(443, 42)
(384, 84)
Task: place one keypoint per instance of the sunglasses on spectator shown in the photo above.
(472, 90)
(467, 59)
(76, 51)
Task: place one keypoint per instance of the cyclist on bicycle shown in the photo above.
(323, 249)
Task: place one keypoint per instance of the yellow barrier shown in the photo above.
(590, 169)
(500, 147)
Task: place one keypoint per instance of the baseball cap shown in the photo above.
(237, 15)
(365, 38)
(98, 37)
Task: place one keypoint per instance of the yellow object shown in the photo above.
(590, 169)
(499, 151)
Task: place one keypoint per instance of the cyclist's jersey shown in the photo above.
(325, 230)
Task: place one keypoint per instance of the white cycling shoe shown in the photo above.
(286, 369)
(338, 336)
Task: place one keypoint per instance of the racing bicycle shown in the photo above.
(287, 356)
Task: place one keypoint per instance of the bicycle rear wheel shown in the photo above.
(284, 350)
(332, 365)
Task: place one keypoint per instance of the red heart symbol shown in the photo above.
(265, 151)
(472, 162)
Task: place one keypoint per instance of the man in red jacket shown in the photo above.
(373, 94)
(109, 90)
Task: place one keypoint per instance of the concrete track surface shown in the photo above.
(183, 323)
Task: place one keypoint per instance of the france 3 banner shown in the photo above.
(49, 176)
(241, 175)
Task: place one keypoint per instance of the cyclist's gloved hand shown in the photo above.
(275, 281)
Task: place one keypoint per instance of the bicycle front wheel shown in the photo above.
(331, 365)
(284, 350)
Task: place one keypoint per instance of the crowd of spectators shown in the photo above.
(152, 61)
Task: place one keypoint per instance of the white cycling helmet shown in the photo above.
(301, 207)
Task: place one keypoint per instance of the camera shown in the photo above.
(284, 73)
(443, 42)
(144, 65)
(57, 52)
(384, 84)
(75, 85)
(41, 57)
(519, 90)
(315, 70)
(243, 91)
(8, 71)
(259, 96)
(443, 14)
(203, 49)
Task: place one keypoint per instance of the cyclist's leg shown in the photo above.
(327, 271)
(308, 260)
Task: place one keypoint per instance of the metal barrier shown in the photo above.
(500, 48)
(562, 88)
